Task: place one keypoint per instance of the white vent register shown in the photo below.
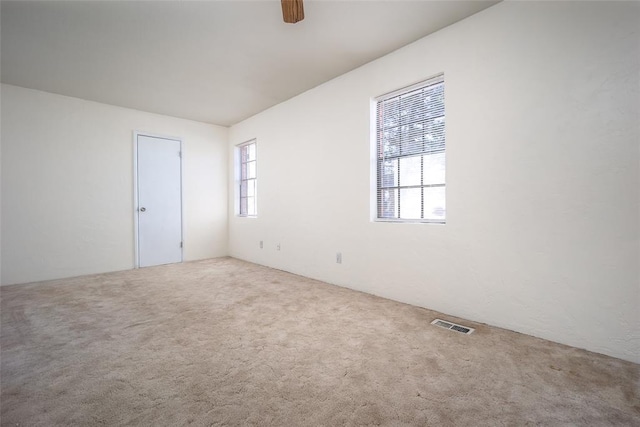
(453, 326)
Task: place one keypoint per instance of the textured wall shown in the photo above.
(67, 185)
(542, 107)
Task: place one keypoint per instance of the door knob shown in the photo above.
(143, 209)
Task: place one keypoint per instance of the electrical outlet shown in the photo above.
(261, 244)
(278, 247)
(339, 257)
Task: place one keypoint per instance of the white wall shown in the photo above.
(67, 185)
(542, 232)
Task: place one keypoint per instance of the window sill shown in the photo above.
(410, 221)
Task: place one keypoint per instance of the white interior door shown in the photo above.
(159, 196)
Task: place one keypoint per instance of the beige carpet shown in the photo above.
(225, 342)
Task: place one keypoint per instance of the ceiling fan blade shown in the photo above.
(292, 11)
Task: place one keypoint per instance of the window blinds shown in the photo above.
(410, 141)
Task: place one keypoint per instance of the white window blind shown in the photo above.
(248, 178)
(410, 141)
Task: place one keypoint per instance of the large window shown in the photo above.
(410, 160)
(248, 178)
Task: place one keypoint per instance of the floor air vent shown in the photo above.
(452, 326)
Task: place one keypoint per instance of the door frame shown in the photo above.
(136, 217)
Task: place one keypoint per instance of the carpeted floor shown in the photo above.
(225, 342)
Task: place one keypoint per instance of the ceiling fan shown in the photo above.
(292, 11)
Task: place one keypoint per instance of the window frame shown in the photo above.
(377, 160)
(243, 179)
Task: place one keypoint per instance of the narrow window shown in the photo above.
(248, 178)
(410, 154)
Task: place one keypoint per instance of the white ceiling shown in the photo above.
(212, 61)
